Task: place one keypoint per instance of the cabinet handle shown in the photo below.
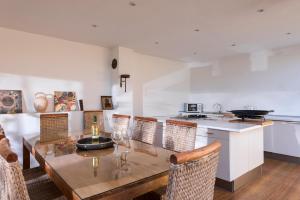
(210, 133)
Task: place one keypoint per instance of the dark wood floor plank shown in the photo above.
(280, 181)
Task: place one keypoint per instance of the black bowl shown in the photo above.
(90, 144)
(252, 114)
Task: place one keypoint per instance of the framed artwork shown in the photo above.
(64, 101)
(106, 103)
(10, 101)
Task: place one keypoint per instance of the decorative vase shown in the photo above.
(40, 102)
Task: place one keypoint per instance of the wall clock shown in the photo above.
(114, 63)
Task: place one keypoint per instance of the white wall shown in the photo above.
(126, 61)
(265, 80)
(165, 85)
(157, 86)
(34, 63)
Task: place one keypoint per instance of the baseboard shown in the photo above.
(282, 157)
(249, 177)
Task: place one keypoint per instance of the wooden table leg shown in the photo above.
(26, 157)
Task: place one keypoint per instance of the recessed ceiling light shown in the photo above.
(94, 25)
(196, 30)
(132, 3)
(261, 10)
(156, 42)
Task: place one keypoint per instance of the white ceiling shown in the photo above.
(170, 22)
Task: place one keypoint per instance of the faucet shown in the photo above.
(217, 107)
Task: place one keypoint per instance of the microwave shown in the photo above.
(193, 107)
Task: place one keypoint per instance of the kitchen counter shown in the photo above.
(242, 153)
(285, 118)
(217, 124)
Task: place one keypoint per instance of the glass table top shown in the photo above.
(90, 173)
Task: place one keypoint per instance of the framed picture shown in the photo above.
(106, 103)
(64, 101)
(10, 101)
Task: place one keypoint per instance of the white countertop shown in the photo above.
(217, 124)
(283, 118)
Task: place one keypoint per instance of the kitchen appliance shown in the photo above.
(193, 107)
(188, 116)
(251, 114)
(196, 116)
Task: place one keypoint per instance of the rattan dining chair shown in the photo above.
(89, 117)
(53, 127)
(120, 122)
(193, 173)
(144, 129)
(32, 174)
(180, 135)
(12, 182)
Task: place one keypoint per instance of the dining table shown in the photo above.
(99, 174)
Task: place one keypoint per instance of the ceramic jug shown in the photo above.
(40, 102)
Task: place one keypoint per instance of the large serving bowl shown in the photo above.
(251, 114)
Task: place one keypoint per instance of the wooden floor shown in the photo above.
(280, 181)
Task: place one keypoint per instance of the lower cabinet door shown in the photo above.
(283, 138)
(223, 166)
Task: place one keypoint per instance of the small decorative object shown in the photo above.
(106, 103)
(123, 78)
(114, 63)
(81, 105)
(40, 102)
(10, 101)
(2, 134)
(64, 101)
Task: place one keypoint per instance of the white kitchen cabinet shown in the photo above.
(256, 147)
(223, 166)
(240, 152)
(283, 138)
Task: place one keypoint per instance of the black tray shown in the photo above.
(88, 144)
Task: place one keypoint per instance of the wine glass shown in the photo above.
(127, 138)
(117, 138)
(127, 144)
